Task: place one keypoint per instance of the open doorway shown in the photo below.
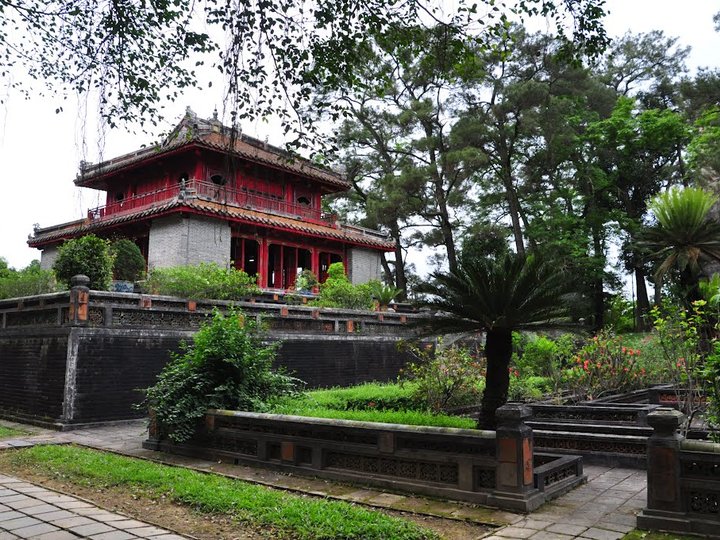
(244, 253)
(326, 259)
(285, 263)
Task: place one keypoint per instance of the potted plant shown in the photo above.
(383, 294)
(305, 282)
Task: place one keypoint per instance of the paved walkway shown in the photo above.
(30, 511)
(602, 509)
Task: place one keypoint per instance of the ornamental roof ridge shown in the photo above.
(212, 133)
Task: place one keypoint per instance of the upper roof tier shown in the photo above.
(194, 132)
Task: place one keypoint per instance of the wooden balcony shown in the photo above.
(209, 191)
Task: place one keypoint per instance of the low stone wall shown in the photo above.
(683, 480)
(611, 434)
(82, 356)
(608, 434)
(484, 467)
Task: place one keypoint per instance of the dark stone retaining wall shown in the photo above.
(32, 372)
(486, 467)
(83, 356)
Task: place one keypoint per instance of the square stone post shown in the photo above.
(514, 475)
(665, 508)
(79, 300)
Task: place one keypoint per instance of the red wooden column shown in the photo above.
(262, 262)
(315, 261)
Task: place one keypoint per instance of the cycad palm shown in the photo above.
(497, 297)
(684, 235)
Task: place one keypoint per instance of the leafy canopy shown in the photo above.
(271, 53)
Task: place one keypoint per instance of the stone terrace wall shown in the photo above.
(82, 356)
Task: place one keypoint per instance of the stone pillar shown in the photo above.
(664, 459)
(79, 299)
(514, 475)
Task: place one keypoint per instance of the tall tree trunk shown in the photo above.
(498, 353)
(400, 275)
(643, 303)
(514, 208)
(658, 285)
(597, 285)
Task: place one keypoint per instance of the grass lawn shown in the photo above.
(285, 515)
(646, 535)
(371, 402)
(6, 432)
(412, 418)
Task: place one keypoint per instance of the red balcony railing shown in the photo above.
(209, 191)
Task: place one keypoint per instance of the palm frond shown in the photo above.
(684, 235)
(512, 293)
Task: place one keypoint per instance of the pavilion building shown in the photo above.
(208, 194)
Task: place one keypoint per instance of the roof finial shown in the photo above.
(189, 111)
(215, 114)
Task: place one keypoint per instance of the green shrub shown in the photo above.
(604, 365)
(88, 255)
(129, 263)
(29, 281)
(540, 355)
(445, 377)
(204, 281)
(338, 292)
(227, 367)
(685, 350)
(620, 315)
(530, 388)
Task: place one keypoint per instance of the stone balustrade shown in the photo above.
(683, 479)
(484, 467)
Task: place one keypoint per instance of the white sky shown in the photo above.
(40, 150)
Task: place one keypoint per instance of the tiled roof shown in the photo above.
(203, 207)
(211, 134)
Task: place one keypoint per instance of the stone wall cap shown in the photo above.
(665, 420)
(706, 447)
(513, 411)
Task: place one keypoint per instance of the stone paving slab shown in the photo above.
(42, 514)
(602, 509)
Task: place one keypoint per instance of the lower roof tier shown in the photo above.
(347, 234)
